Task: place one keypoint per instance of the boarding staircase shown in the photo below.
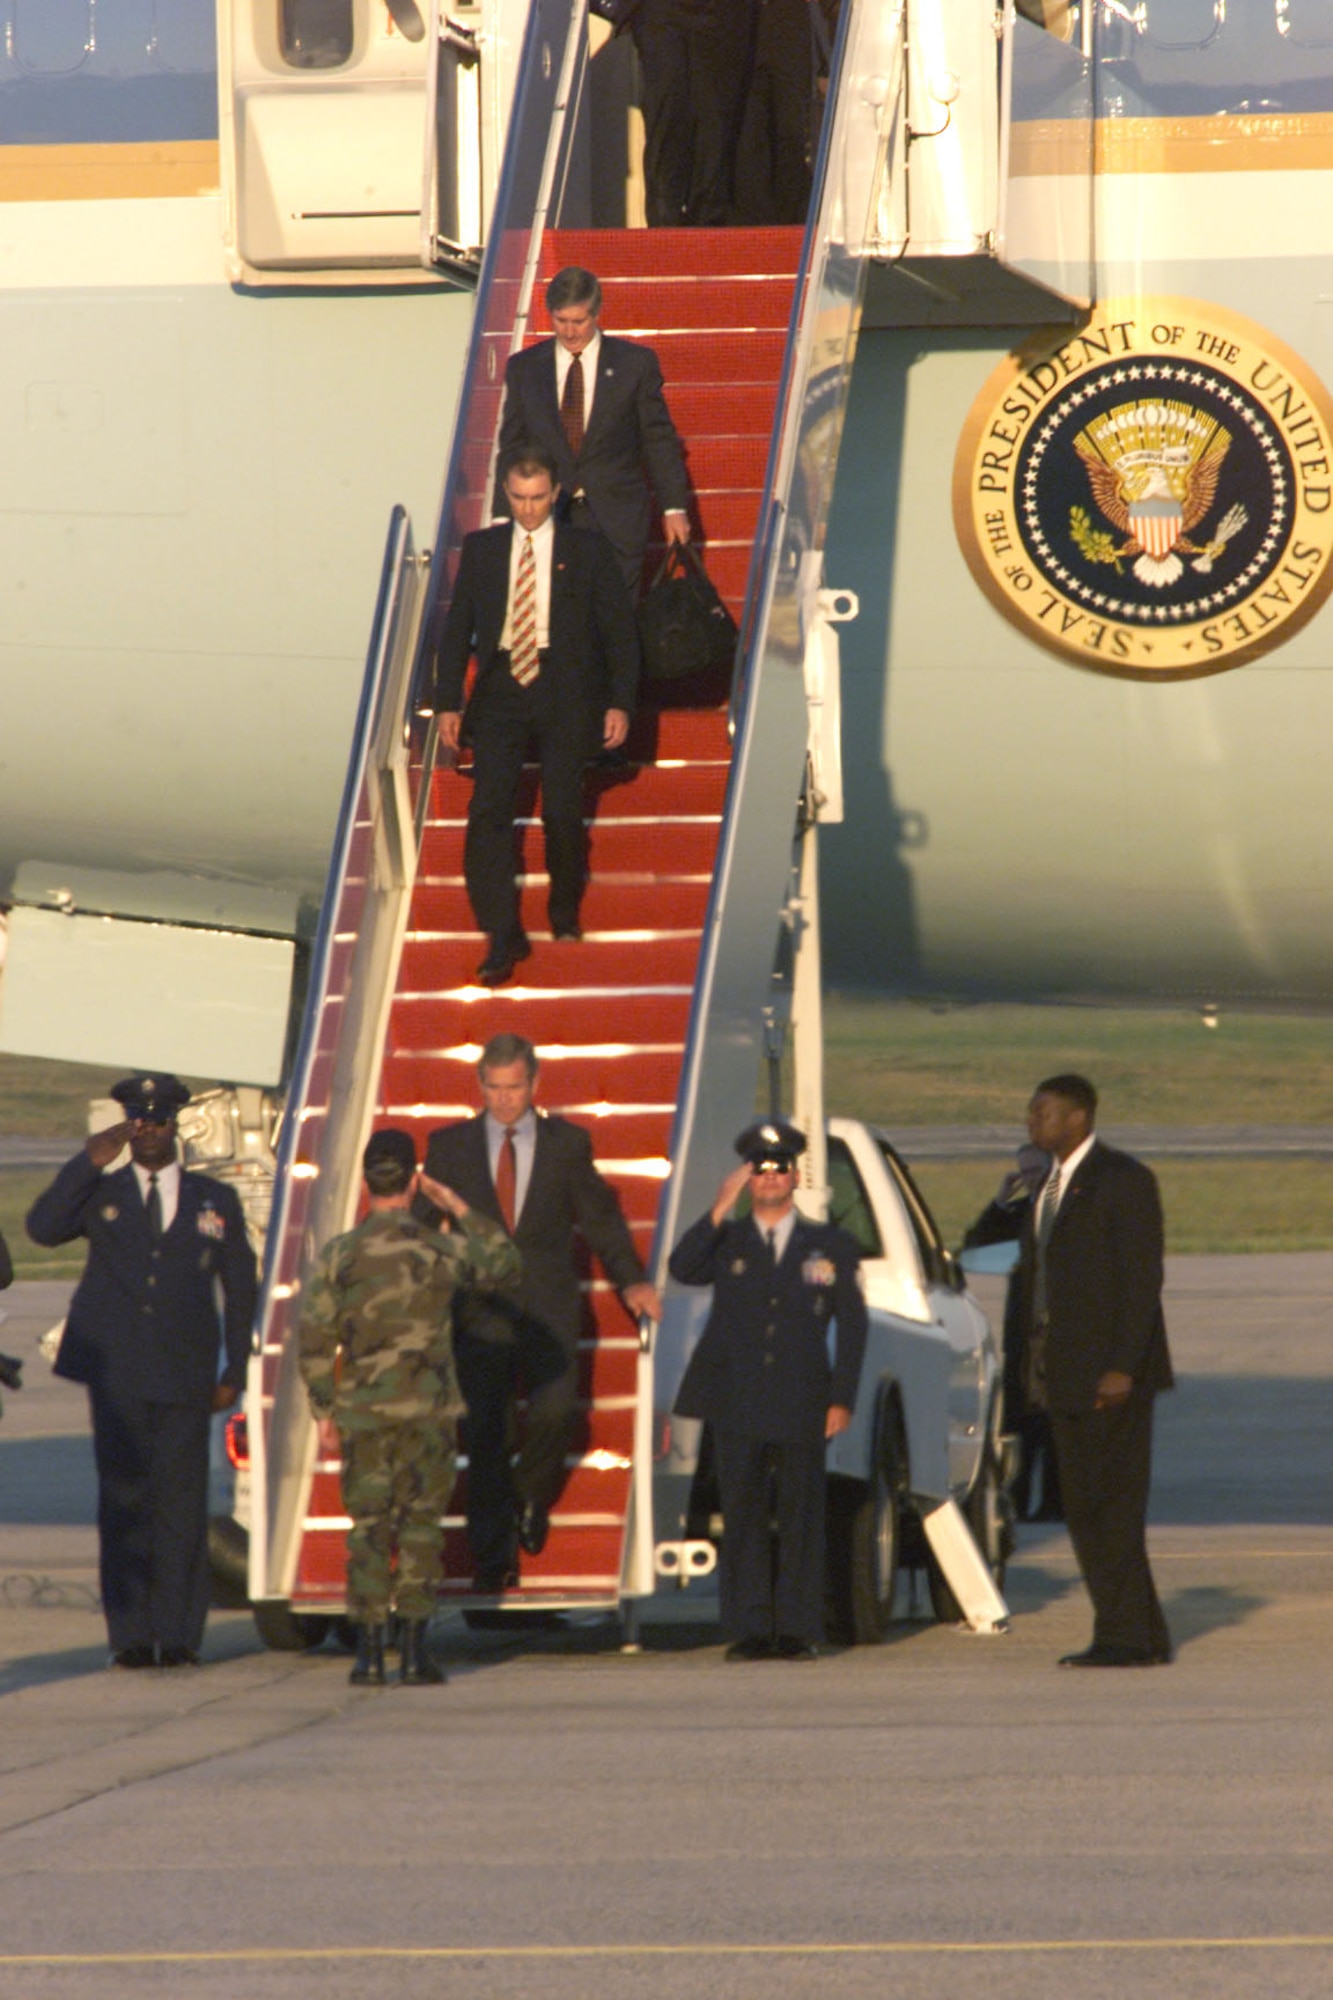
(653, 1030)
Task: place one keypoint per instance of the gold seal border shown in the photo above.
(1146, 311)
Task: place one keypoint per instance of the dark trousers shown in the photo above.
(695, 57)
(502, 719)
(152, 1520)
(1105, 1461)
(490, 1373)
(773, 161)
(769, 1592)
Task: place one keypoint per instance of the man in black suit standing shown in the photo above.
(761, 1376)
(534, 1174)
(143, 1333)
(695, 57)
(596, 405)
(544, 609)
(1091, 1290)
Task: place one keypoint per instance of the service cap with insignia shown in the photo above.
(151, 1100)
(772, 1142)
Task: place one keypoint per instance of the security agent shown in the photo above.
(761, 1376)
(144, 1334)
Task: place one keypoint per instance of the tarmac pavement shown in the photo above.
(940, 1816)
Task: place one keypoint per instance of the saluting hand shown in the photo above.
(443, 1197)
(729, 1193)
(102, 1147)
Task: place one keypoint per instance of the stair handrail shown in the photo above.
(315, 1196)
(863, 134)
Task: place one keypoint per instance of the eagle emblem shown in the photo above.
(1153, 468)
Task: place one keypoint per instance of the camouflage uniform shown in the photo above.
(376, 1354)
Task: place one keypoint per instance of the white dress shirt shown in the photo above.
(525, 1146)
(168, 1189)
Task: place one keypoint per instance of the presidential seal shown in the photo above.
(1152, 496)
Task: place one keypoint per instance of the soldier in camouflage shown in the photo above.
(376, 1355)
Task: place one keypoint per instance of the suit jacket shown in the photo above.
(1103, 1281)
(630, 436)
(593, 652)
(143, 1321)
(565, 1192)
(762, 1365)
(6, 1265)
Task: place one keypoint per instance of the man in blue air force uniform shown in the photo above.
(144, 1334)
(762, 1377)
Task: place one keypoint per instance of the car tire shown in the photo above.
(286, 1631)
(865, 1528)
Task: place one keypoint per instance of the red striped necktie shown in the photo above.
(524, 664)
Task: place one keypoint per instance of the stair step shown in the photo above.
(543, 1014)
(430, 964)
(616, 253)
(614, 906)
(574, 1075)
(658, 847)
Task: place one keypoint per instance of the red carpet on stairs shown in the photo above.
(609, 1015)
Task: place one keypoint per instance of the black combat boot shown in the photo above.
(369, 1668)
(420, 1668)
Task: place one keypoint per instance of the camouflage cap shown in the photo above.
(389, 1161)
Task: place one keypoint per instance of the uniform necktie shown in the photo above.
(506, 1181)
(153, 1206)
(571, 406)
(523, 662)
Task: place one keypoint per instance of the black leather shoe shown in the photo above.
(499, 962)
(789, 1648)
(567, 933)
(419, 1668)
(495, 1579)
(178, 1656)
(534, 1524)
(134, 1656)
(1115, 1656)
(750, 1649)
(369, 1668)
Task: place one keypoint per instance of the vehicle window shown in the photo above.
(317, 34)
(1181, 24)
(849, 1204)
(934, 1260)
(51, 37)
(184, 37)
(1308, 23)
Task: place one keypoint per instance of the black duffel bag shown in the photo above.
(684, 627)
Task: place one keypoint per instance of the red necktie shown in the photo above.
(506, 1181)
(571, 406)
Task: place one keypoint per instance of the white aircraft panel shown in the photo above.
(208, 1003)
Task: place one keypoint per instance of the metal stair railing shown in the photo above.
(330, 1101)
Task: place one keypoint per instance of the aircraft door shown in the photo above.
(323, 108)
(476, 47)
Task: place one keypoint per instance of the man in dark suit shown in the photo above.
(596, 405)
(143, 1332)
(761, 1376)
(1091, 1288)
(533, 1173)
(544, 609)
(695, 57)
